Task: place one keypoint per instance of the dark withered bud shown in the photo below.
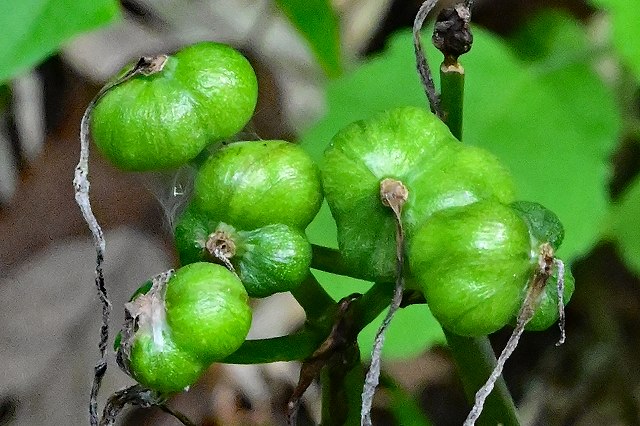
(452, 34)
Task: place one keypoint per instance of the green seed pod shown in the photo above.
(204, 93)
(161, 365)
(176, 325)
(473, 264)
(268, 260)
(258, 183)
(207, 311)
(145, 347)
(413, 146)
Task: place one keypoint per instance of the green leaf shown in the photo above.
(555, 124)
(625, 17)
(549, 35)
(318, 23)
(624, 226)
(34, 29)
(552, 122)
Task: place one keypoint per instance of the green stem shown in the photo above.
(452, 96)
(474, 356)
(328, 393)
(476, 360)
(301, 345)
(319, 309)
(342, 381)
(329, 260)
(368, 307)
(315, 301)
(292, 347)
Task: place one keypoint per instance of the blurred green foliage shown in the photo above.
(625, 20)
(34, 29)
(625, 226)
(318, 23)
(402, 405)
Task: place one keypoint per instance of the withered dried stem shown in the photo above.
(343, 336)
(531, 301)
(393, 194)
(145, 66)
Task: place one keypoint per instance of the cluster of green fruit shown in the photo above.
(252, 201)
(471, 249)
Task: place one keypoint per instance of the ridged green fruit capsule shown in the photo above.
(272, 259)
(181, 323)
(268, 260)
(473, 264)
(145, 347)
(413, 146)
(256, 183)
(205, 92)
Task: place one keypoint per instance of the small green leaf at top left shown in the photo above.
(318, 23)
(34, 29)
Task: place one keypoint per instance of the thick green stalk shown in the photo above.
(476, 360)
(303, 344)
(451, 96)
(329, 260)
(474, 356)
(292, 347)
(315, 301)
(368, 307)
(342, 382)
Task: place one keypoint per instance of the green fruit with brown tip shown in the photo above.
(179, 323)
(205, 92)
(257, 183)
(473, 264)
(271, 259)
(545, 228)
